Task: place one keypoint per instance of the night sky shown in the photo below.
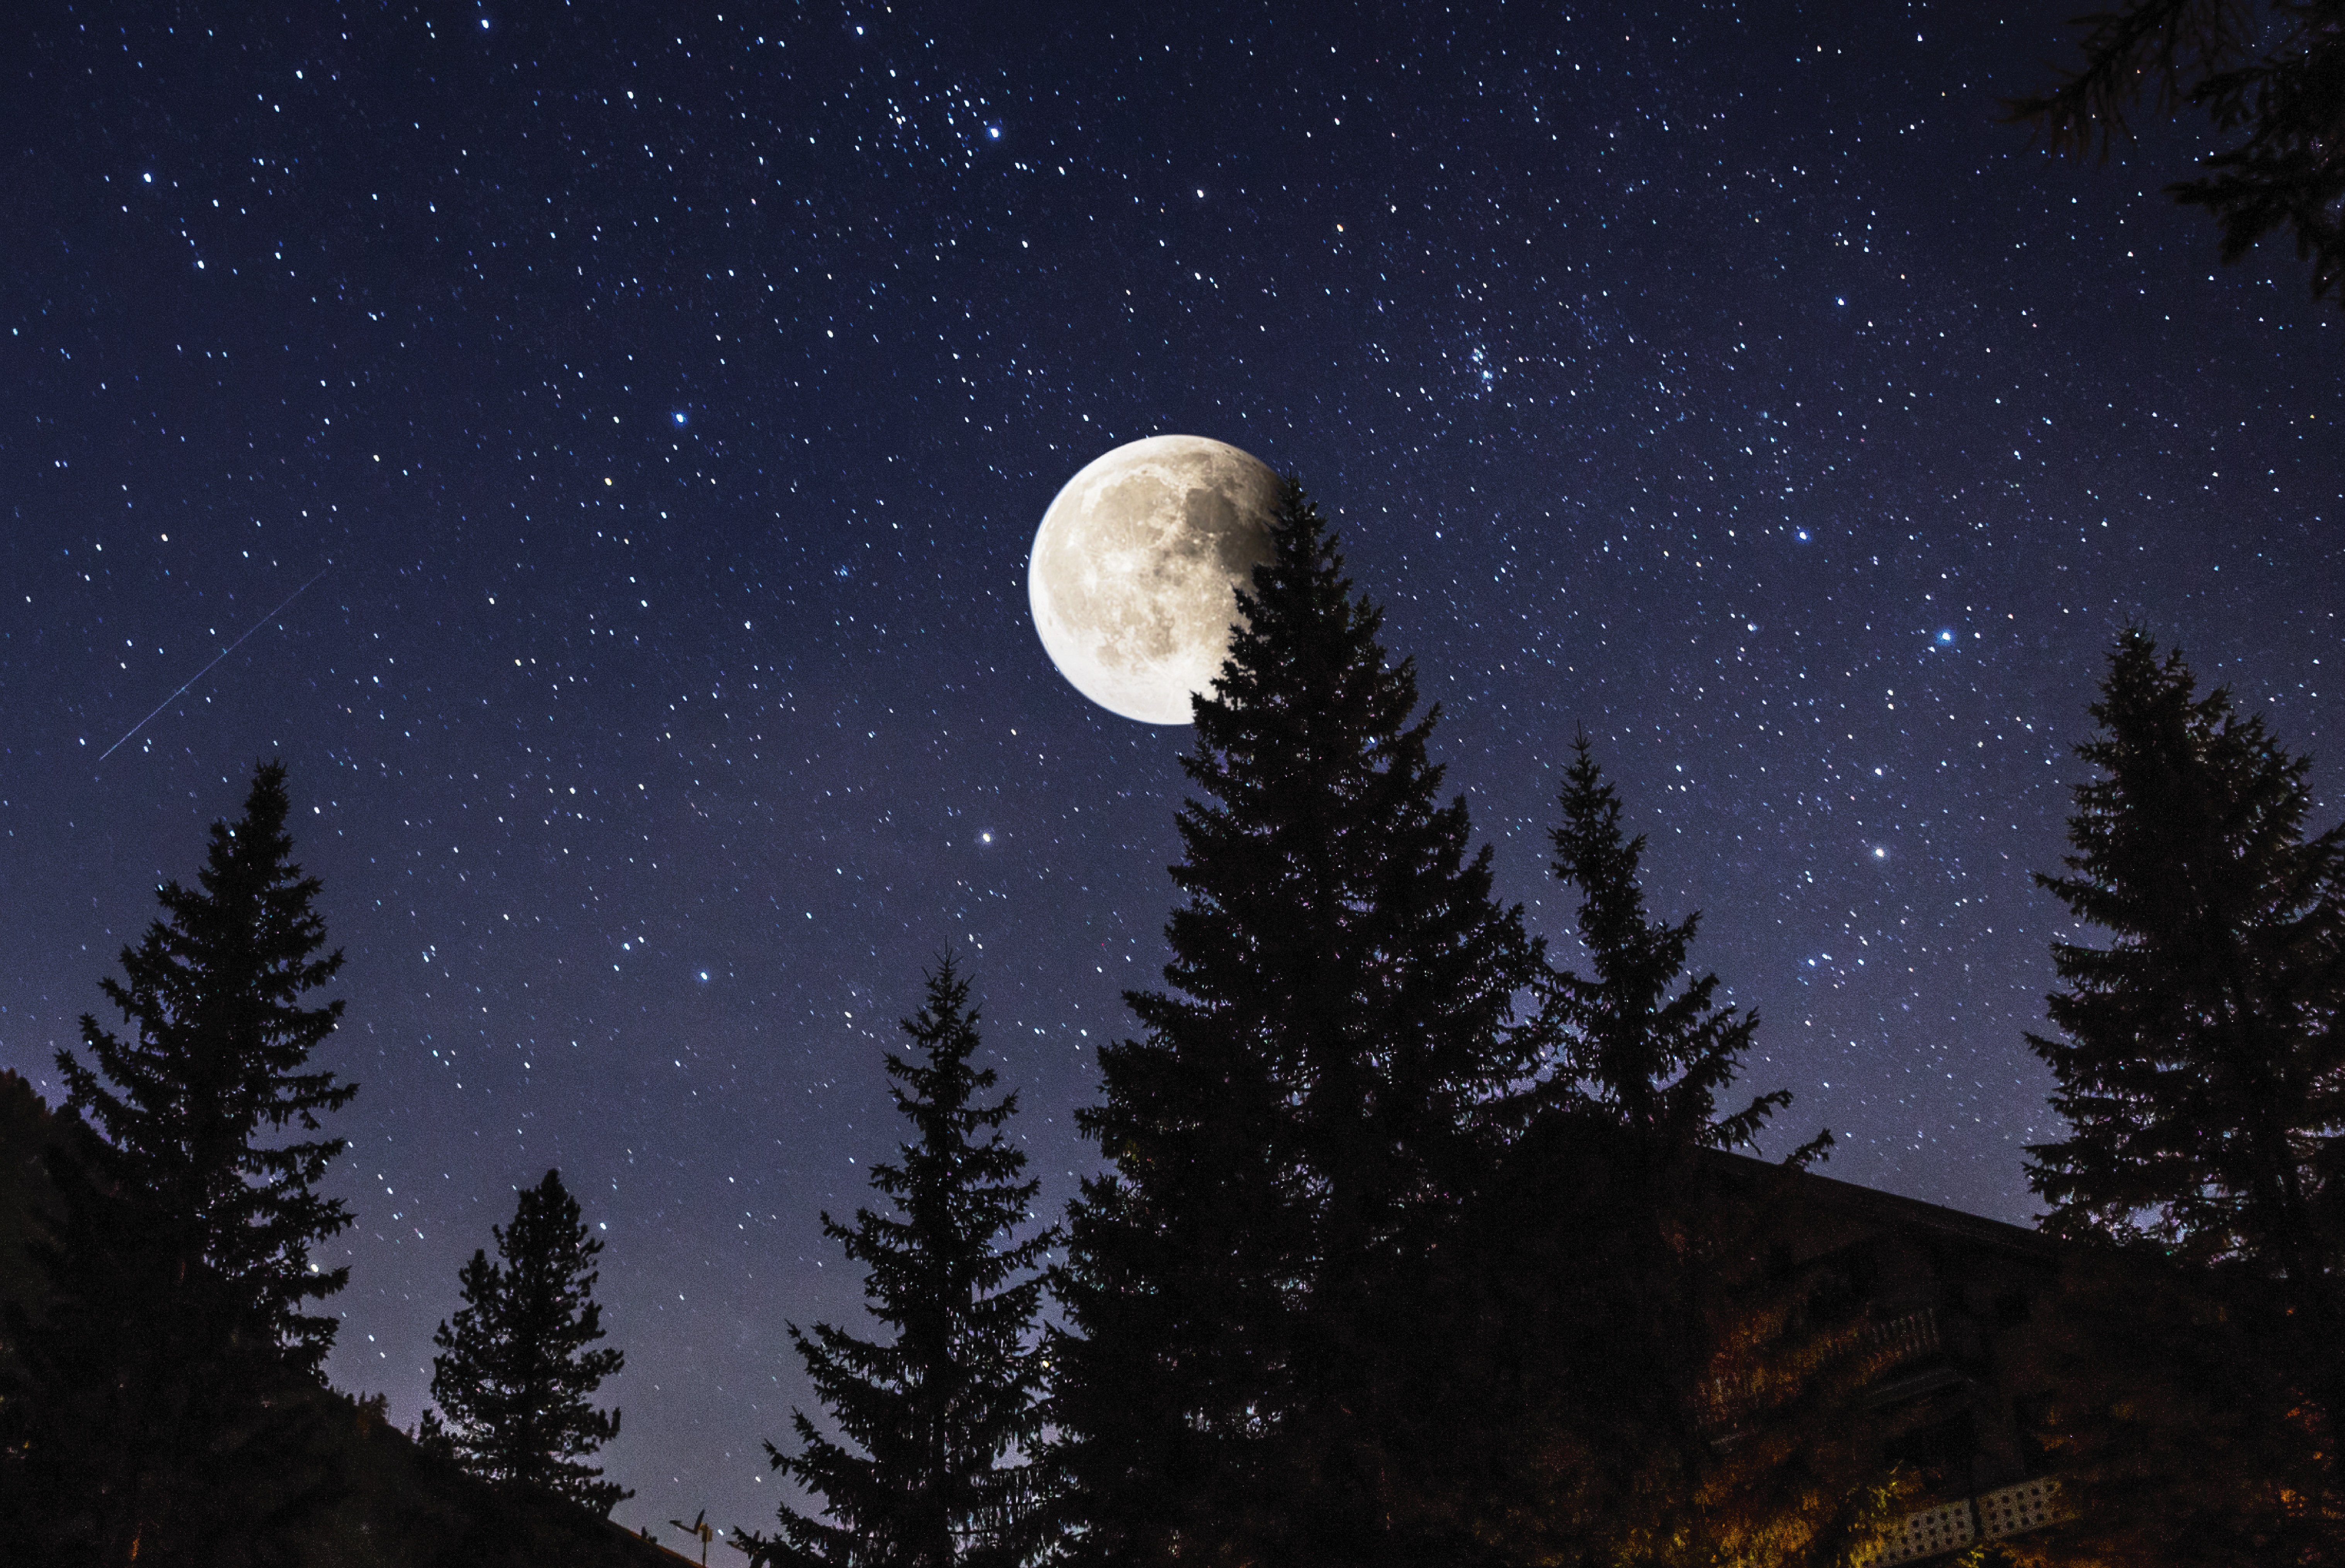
(668, 404)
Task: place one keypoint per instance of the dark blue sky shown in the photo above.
(669, 403)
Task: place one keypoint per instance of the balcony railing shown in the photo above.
(1884, 1347)
(1894, 1342)
(1952, 1526)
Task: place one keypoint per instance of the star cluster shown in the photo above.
(668, 400)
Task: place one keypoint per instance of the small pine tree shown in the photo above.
(514, 1371)
(1653, 1062)
(1614, 1226)
(935, 1411)
(1324, 1077)
(218, 1059)
(2201, 1058)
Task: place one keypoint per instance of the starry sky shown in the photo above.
(658, 404)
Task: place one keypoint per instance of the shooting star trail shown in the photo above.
(216, 658)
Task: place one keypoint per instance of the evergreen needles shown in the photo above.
(217, 1060)
(515, 1369)
(2202, 1068)
(2200, 1062)
(158, 1391)
(929, 1417)
(1288, 1140)
(1654, 1062)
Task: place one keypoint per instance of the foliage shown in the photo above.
(160, 1375)
(2188, 1426)
(1643, 1385)
(515, 1370)
(2202, 1069)
(272, 1468)
(147, 1411)
(1654, 1063)
(2200, 1063)
(936, 1410)
(1334, 1063)
(2270, 76)
(216, 1059)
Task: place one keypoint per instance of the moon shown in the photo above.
(1136, 566)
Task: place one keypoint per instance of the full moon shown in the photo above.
(1136, 566)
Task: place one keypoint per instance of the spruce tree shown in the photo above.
(515, 1370)
(1654, 1063)
(2200, 1061)
(1320, 1082)
(1626, 1266)
(195, 1101)
(2200, 1066)
(930, 1418)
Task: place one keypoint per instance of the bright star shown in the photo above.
(1879, 853)
(1947, 637)
(704, 974)
(678, 417)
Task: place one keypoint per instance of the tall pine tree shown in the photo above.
(1629, 1266)
(931, 1419)
(1288, 1140)
(2202, 1068)
(2201, 1061)
(515, 1372)
(194, 1103)
(1655, 1062)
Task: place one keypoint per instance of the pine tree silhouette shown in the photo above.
(2201, 1061)
(1329, 1069)
(515, 1372)
(1627, 1268)
(216, 1065)
(2202, 1068)
(163, 1380)
(929, 1417)
(1654, 1062)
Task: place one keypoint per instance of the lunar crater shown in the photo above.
(1135, 569)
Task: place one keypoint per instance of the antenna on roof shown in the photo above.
(700, 1527)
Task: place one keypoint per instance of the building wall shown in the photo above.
(1951, 1309)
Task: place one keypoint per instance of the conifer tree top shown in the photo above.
(1327, 1069)
(932, 1422)
(1655, 1061)
(2200, 1061)
(196, 1101)
(520, 1361)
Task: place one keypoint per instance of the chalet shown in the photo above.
(1950, 1307)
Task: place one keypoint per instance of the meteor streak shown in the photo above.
(216, 658)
